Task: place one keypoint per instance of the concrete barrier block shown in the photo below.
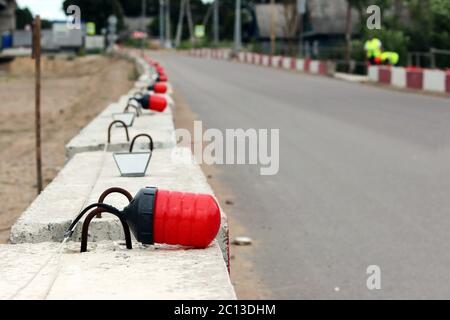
(434, 80)
(276, 61)
(307, 65)
(398, 77)
(447, 81)
(241, 56)
(384, 75)
(300, 65)
(257, 58)
(327, 68)
(414, 79)
(49, 216)
(253, 58)
(248, 57)
(314, 66)
(94, 136)
(287, 61)
(373, 73)
(109, 271)
(265, 60)
(226, 54)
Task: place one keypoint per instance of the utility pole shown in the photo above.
(216, 22)
(180, 23)
(161, 23)
(168, 25)
(190, 20)
(237, 27)
(272, 27)
(143, 27)
(301, 10)
(348, 37)
(37, 60)
(208, 15)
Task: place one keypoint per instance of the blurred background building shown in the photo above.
(7, 15)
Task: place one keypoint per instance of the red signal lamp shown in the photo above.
(176, 218)
(160, 69)
(161, 216)
(158, 87)
(163, 77)
(152, 102)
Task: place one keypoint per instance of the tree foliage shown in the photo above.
(98, 11)
(24, 17)
(428, 26)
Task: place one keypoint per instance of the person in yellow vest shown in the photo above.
(373, 48)
(390, 58)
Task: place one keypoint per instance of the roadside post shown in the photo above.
(112, 30)
(36, 55)
(301, 11)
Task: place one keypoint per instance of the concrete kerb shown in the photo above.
(158, 125)
(87, 176)
(94, 136)
(173, 273)
(109, 271)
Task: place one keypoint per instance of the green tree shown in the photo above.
(358, 5)
(430, 27)
(46, 24)
(198, 9)
(440, 23)
(24, 17)
(133, 8)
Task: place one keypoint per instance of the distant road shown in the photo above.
(364, 179)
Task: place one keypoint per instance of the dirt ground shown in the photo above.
(74, 91)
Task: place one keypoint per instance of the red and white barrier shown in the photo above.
(275, 61)
(398, 77)
(413, 78)
(447, 81)
(434, 80)
(288, 63)
(318, 67)
(384, 75)
(300, 65)
(373, 73)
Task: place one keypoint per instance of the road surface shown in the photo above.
(363, 181)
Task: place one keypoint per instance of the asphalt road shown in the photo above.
(364, 179)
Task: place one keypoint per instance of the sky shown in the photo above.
(48, 9)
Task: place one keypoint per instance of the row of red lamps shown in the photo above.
(161, 216)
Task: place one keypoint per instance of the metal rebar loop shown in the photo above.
(112, 124)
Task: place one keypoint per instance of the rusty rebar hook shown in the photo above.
(87, 221)
(112, 124)
(103, 196)
(137, 109)
(142, 135)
